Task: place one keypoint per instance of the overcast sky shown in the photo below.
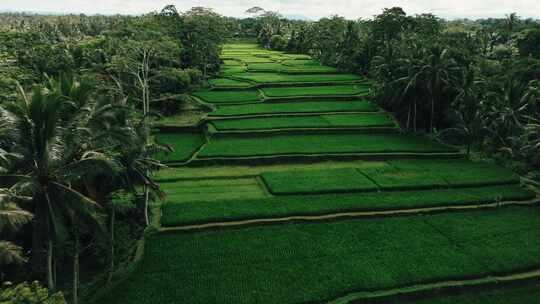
(313, 9)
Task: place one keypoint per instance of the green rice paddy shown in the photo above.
(318, 262)
(291, 141)
(229, 83)
(224, 97)
(233, 146)
(262, 78)
(184, 145)
(363, 120)
(185, 210)
(337, 90)
(292, 107)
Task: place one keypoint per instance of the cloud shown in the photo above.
(313, 9)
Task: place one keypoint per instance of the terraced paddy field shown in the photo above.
(318, 262)
(295, 107)
(269, 145)
(359, 121)
(316, 91)
(299, 189)
(277, 78)
(229, 97)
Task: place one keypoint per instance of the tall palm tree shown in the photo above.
(53, 160)
(436, 73)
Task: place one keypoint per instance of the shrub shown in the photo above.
(278, 42)
(30, 293)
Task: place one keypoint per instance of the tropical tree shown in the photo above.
(48, 130)
(12, 218)
(436, 74)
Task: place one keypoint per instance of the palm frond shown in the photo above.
(11, 254)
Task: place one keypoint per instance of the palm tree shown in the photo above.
(12, 218)
(510, 22)
(43, 130)
(435, 73)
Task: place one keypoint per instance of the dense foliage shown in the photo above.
(77, 100)
(474, 83)
(79, 95)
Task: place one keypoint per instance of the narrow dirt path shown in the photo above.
(366, 295)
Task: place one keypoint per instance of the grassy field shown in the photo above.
(267, 145)
(183, 145)
(314, 262)
(211, 189)
(229, 83)
(232, 96)
(384, 178)
(268, 67)
(232, 70)
(368, 120)
(262, 78)
(291, 68)
(458, 173)
(338, 90)
(321, 122)
(182, 211)
(296, 107)
(315, 181)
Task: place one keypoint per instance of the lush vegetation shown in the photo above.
(183, 145)
(310, 144)
(474, 83)
(232, 97)
(186, 210)
(296, 107)
(316, 121)
(78, 95)
(341, 90)
(209, 266)
(314, 181)
(353, 138)
(300, 78)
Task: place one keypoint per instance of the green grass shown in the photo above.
(232, 70)
(460, 172)
(209, 189)
(309, 69)
(385, 178)
(388, 178)
(297, 56)
(317, 181)
(232, 96)
(232, 146)
(292, 78)
(337, 90)
(183, 144)
(318, 262)
(228, 83)
(364, 120)
(305, 62)
(252, 59)
(296, 107)
(238, 45)
(270, 67)
(181, 212)
(232, 62)
(278, 67)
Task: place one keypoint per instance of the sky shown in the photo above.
(312, 9)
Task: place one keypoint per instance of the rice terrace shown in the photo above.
(327, 202)
(278, 177)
